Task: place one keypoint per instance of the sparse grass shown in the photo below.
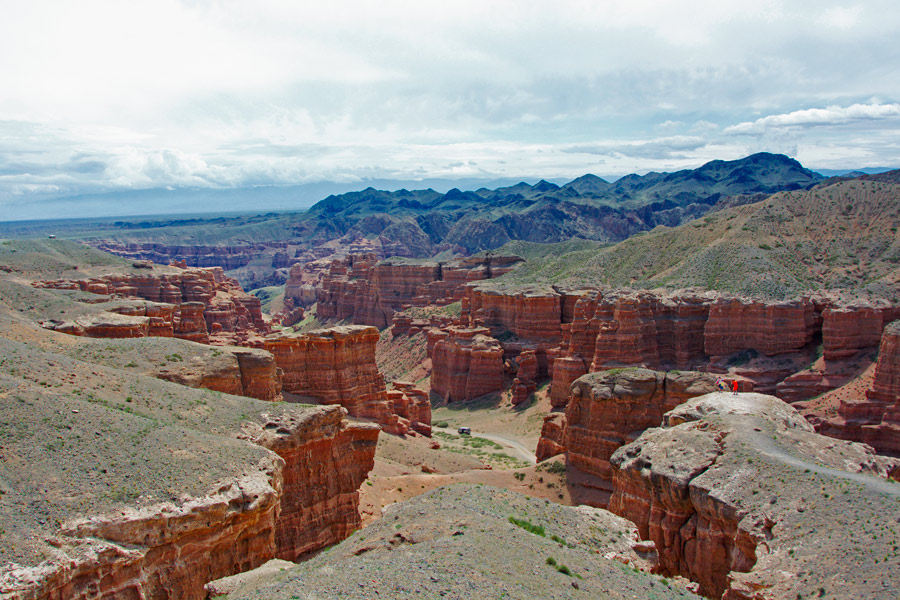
(529, 527)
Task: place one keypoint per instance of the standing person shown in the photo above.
(734, 386)
(720, 384)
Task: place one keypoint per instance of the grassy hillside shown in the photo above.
(837, 237)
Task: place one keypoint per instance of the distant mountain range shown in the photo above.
(588, 207)
(425, 223)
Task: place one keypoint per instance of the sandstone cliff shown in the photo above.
(740, 495)
(468, 363)
(612, 408)
(368, 293)
(226, 308)
(326, 459)
(337, 366)
(153, 495)
(770, 343)
(874, 419)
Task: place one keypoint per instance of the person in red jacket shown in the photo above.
(734, 386)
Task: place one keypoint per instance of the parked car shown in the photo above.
(464, 431)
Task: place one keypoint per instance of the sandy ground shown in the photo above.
(496, 415)
(402, 465)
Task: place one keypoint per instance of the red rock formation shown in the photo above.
(359, 290)
(467, 364)
(609, 409)
(525, 382)
(412, 406)
(239, 371)
(225, 303)
(299, 501)
(874, 419)
(629, 337)
(552, 437)
(336, 366)
(532, 313)
(768, 327)
(736, 492)
(565, 371)
(189, 323)
(326, 459)
(846, 330)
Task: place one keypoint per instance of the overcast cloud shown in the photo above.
(118, 95)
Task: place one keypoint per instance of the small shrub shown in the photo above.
(564, 570)
(520, 476)
(551, 561)
(442, 424)
(529, 527)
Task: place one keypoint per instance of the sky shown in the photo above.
(110, 96)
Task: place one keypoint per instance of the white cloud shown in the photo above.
(104, 94)
(813, 117)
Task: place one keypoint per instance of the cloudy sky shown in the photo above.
(99, 96)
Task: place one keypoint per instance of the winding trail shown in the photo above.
(765, 445)
(519, 449)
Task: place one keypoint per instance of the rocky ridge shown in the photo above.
(742, 496)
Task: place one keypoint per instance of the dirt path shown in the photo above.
(766, 446)
(520, 450)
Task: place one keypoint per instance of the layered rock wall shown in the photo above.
(468, 363)
(610, 409)
(359, 290)
(336, 366)
(225, 306)
(583, 331)
(874, 419)
(737, 492)
(326, 459)
(302, 500)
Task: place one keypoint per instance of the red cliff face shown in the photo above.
(239, 371)
(875, 419)
(412, 406)
(582, 331)
(609, 409)
(770, 328)
(303, 496)
(735, 492)
(467, 364)
(226, 307)
(326, 459)
(534, 314)
(847, 330)
(367, 293)
(552, 439)
(336, 366)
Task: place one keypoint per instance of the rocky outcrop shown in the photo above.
(226, 308)
(468, 363)
(336, 366)
(301, 497)
(587, 330)
(770, 328)
(326, 459)
(552, 439)
(526, 371)
(738, 492)
(874, 419)
(413, 407)
(532, 313)
(239, 371)
(612, 408)
(359, 290)
(165, 551)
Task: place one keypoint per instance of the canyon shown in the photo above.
(368, 292)
(153, 494)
